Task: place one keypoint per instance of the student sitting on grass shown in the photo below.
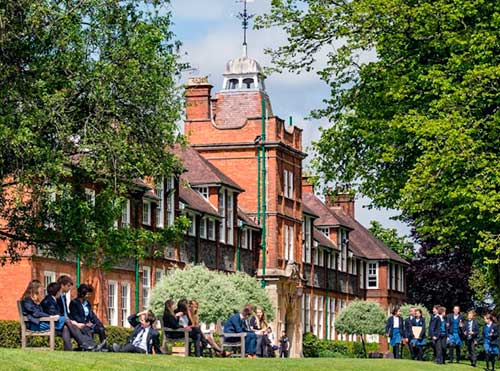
(144, 339)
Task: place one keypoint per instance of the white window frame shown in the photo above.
(288, 184)
(306, 254)
(160, 208)
(320, 317)
(321, 259)
(230, 218)
(307, 313)
(170, 200)
(159, 273)
(203, 228)
(203, 191)
(362, 275)
(289, 242)
(325, 231)
(146, 216)
(146, 286)
(125, 217)
(211, 229)
(222, 213)
(192, 226)
(48, 277)
(250, 239)
(113, 302)
(372, 274)
(125, 303)
(90, 195)
(244, 239)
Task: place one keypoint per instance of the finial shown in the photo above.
(245, 18)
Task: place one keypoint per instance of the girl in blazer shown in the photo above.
(490, 341)
(394, 329)
(80, 311)
(32, 309)
(418, 341)
(471, 331)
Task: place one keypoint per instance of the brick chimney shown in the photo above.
(343, 198)
(198, 99)
(307, 185)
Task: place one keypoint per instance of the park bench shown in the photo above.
(175, 351)
(232, 344)
(51, 332)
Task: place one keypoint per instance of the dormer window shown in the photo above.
(232, 84)
(248, 83)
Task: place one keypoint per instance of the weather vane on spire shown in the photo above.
(245, 18)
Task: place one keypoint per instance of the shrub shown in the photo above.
(10, 336)
(313, 347)
(219, 294)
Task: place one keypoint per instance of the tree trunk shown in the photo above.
(364, 345)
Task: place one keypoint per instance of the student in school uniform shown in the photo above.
(145, 339)
(439, 335)
(80, 311)
(236, 324)
(471, 332)
(63, 301)
(418, 341)
(455, 324)
(32, 309)
(434, 317)
(394, 329)
(409, 334)
(70, 329)
(490, 341)
(284, 345)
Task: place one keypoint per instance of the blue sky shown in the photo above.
(211, 35)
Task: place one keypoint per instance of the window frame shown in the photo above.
(125, 308)
(146, 288)
(146, 217)
(113, 309)
(371, 275)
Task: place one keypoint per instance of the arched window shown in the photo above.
(232, 84)
(248, 83)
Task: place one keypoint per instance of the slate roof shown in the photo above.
(243, 216)
(361, 242)
(200, 171)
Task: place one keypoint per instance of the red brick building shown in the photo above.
(318, 257)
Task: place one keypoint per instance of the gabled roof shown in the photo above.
(200, 171)
(362, 241)
(247, 220)
(326, 217)
(307, 210)
(323, 240)
(196, 201)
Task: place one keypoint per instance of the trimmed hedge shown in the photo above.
(313, 347)
(10, 336)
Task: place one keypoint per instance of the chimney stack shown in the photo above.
(198, 99)
(307, 185)
(342, 198)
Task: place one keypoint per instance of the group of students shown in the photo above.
(259, 339)
(447, 332)
(79, 322)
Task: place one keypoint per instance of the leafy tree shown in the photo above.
(413, 108)
(361, 318)
(389, 236)
(219, 294)
(440, 279)
(88, 95)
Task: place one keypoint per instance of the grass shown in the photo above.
(17, 359)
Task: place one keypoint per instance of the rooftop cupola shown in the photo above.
(243, 73)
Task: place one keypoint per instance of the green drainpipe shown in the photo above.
(137, 285)
(78, 273)
(264, 202)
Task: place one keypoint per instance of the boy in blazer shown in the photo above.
(434, 317)
(81, 312)
(409, 333)
(471, 331)
(439, 335)
(145, 338)
(236, 324)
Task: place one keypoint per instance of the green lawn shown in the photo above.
(16, 359)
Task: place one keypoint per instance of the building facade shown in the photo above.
(316, 259)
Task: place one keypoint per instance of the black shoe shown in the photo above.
(100, 347)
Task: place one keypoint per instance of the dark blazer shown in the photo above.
(407, 326)
(234, 325)
(493, 334)
(77, 313)
(435, 328)
(389, 327)
(475, 329)
(434, 318)
(50, 306)
(33, 311)
(449, 323)
(61, 304)
(253, 324)
(153, 341)
(422, 324)
(171, 321)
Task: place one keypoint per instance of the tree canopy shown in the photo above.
(88, 95)
(413, 111)
(219, 294)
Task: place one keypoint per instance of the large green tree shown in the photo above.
(413, 111)
(88, 95)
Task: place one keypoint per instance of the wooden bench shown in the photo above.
(185, 339)
(232, 344)
(51, 332)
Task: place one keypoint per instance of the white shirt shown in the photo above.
(141, 340)
(396, 322)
